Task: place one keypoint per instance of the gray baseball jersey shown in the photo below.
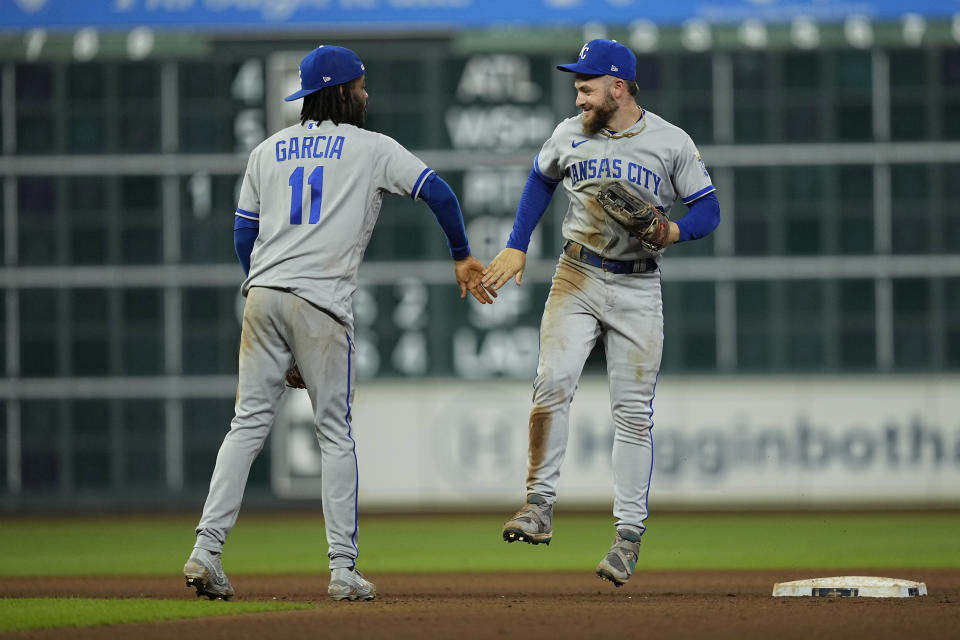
(588, 304)
(655, 158)
(316, 190)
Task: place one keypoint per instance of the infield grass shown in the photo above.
(36, 613)
(297, 543)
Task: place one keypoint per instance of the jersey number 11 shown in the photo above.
(296, 195)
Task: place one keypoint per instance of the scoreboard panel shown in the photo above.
(123, 153)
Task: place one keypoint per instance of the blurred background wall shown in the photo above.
(812, 342)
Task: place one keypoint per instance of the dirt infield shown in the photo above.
(675, 604)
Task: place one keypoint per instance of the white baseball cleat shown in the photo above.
(204, 572)
(621, 560)
(532, 524)
(349, 584)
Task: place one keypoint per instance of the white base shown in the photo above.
(849, 586)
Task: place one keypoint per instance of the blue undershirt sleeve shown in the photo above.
(443, 202)
(702, 218)
(245, 232)
(533, 202)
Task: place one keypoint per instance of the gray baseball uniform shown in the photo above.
(316, 191)
(323, 184)
(660, 163)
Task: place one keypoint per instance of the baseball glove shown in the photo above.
(640, 218)
(294, 379)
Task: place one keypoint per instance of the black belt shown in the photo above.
(578, 252)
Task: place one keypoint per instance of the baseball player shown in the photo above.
(606, 285)
(308, 204)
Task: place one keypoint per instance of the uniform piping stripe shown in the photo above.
(419, 183)
(699, 194)
(356, 482)
(646, 497)
(250, 215)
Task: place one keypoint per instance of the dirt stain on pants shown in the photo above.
(540, 423)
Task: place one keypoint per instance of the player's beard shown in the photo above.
(597, 118)
(356, 110)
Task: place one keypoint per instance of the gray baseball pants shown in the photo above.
(625, 310)
(280, 328)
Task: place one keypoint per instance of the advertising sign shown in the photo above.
(736, 441)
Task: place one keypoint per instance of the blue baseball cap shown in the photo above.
(327, 66)
(603, 57)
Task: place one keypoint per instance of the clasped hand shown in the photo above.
(483, 282)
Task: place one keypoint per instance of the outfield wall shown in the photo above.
(723, 442)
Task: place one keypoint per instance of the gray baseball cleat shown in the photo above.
(532, 524)
(349, 584)
(618, 565)
(203, 572)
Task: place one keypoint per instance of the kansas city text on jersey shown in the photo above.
(613, 168)
(297, 147)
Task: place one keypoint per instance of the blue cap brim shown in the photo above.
(296, 95)
(299, 94)
(579, 67)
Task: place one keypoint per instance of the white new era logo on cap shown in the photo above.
(326, 78)
(613, 67)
